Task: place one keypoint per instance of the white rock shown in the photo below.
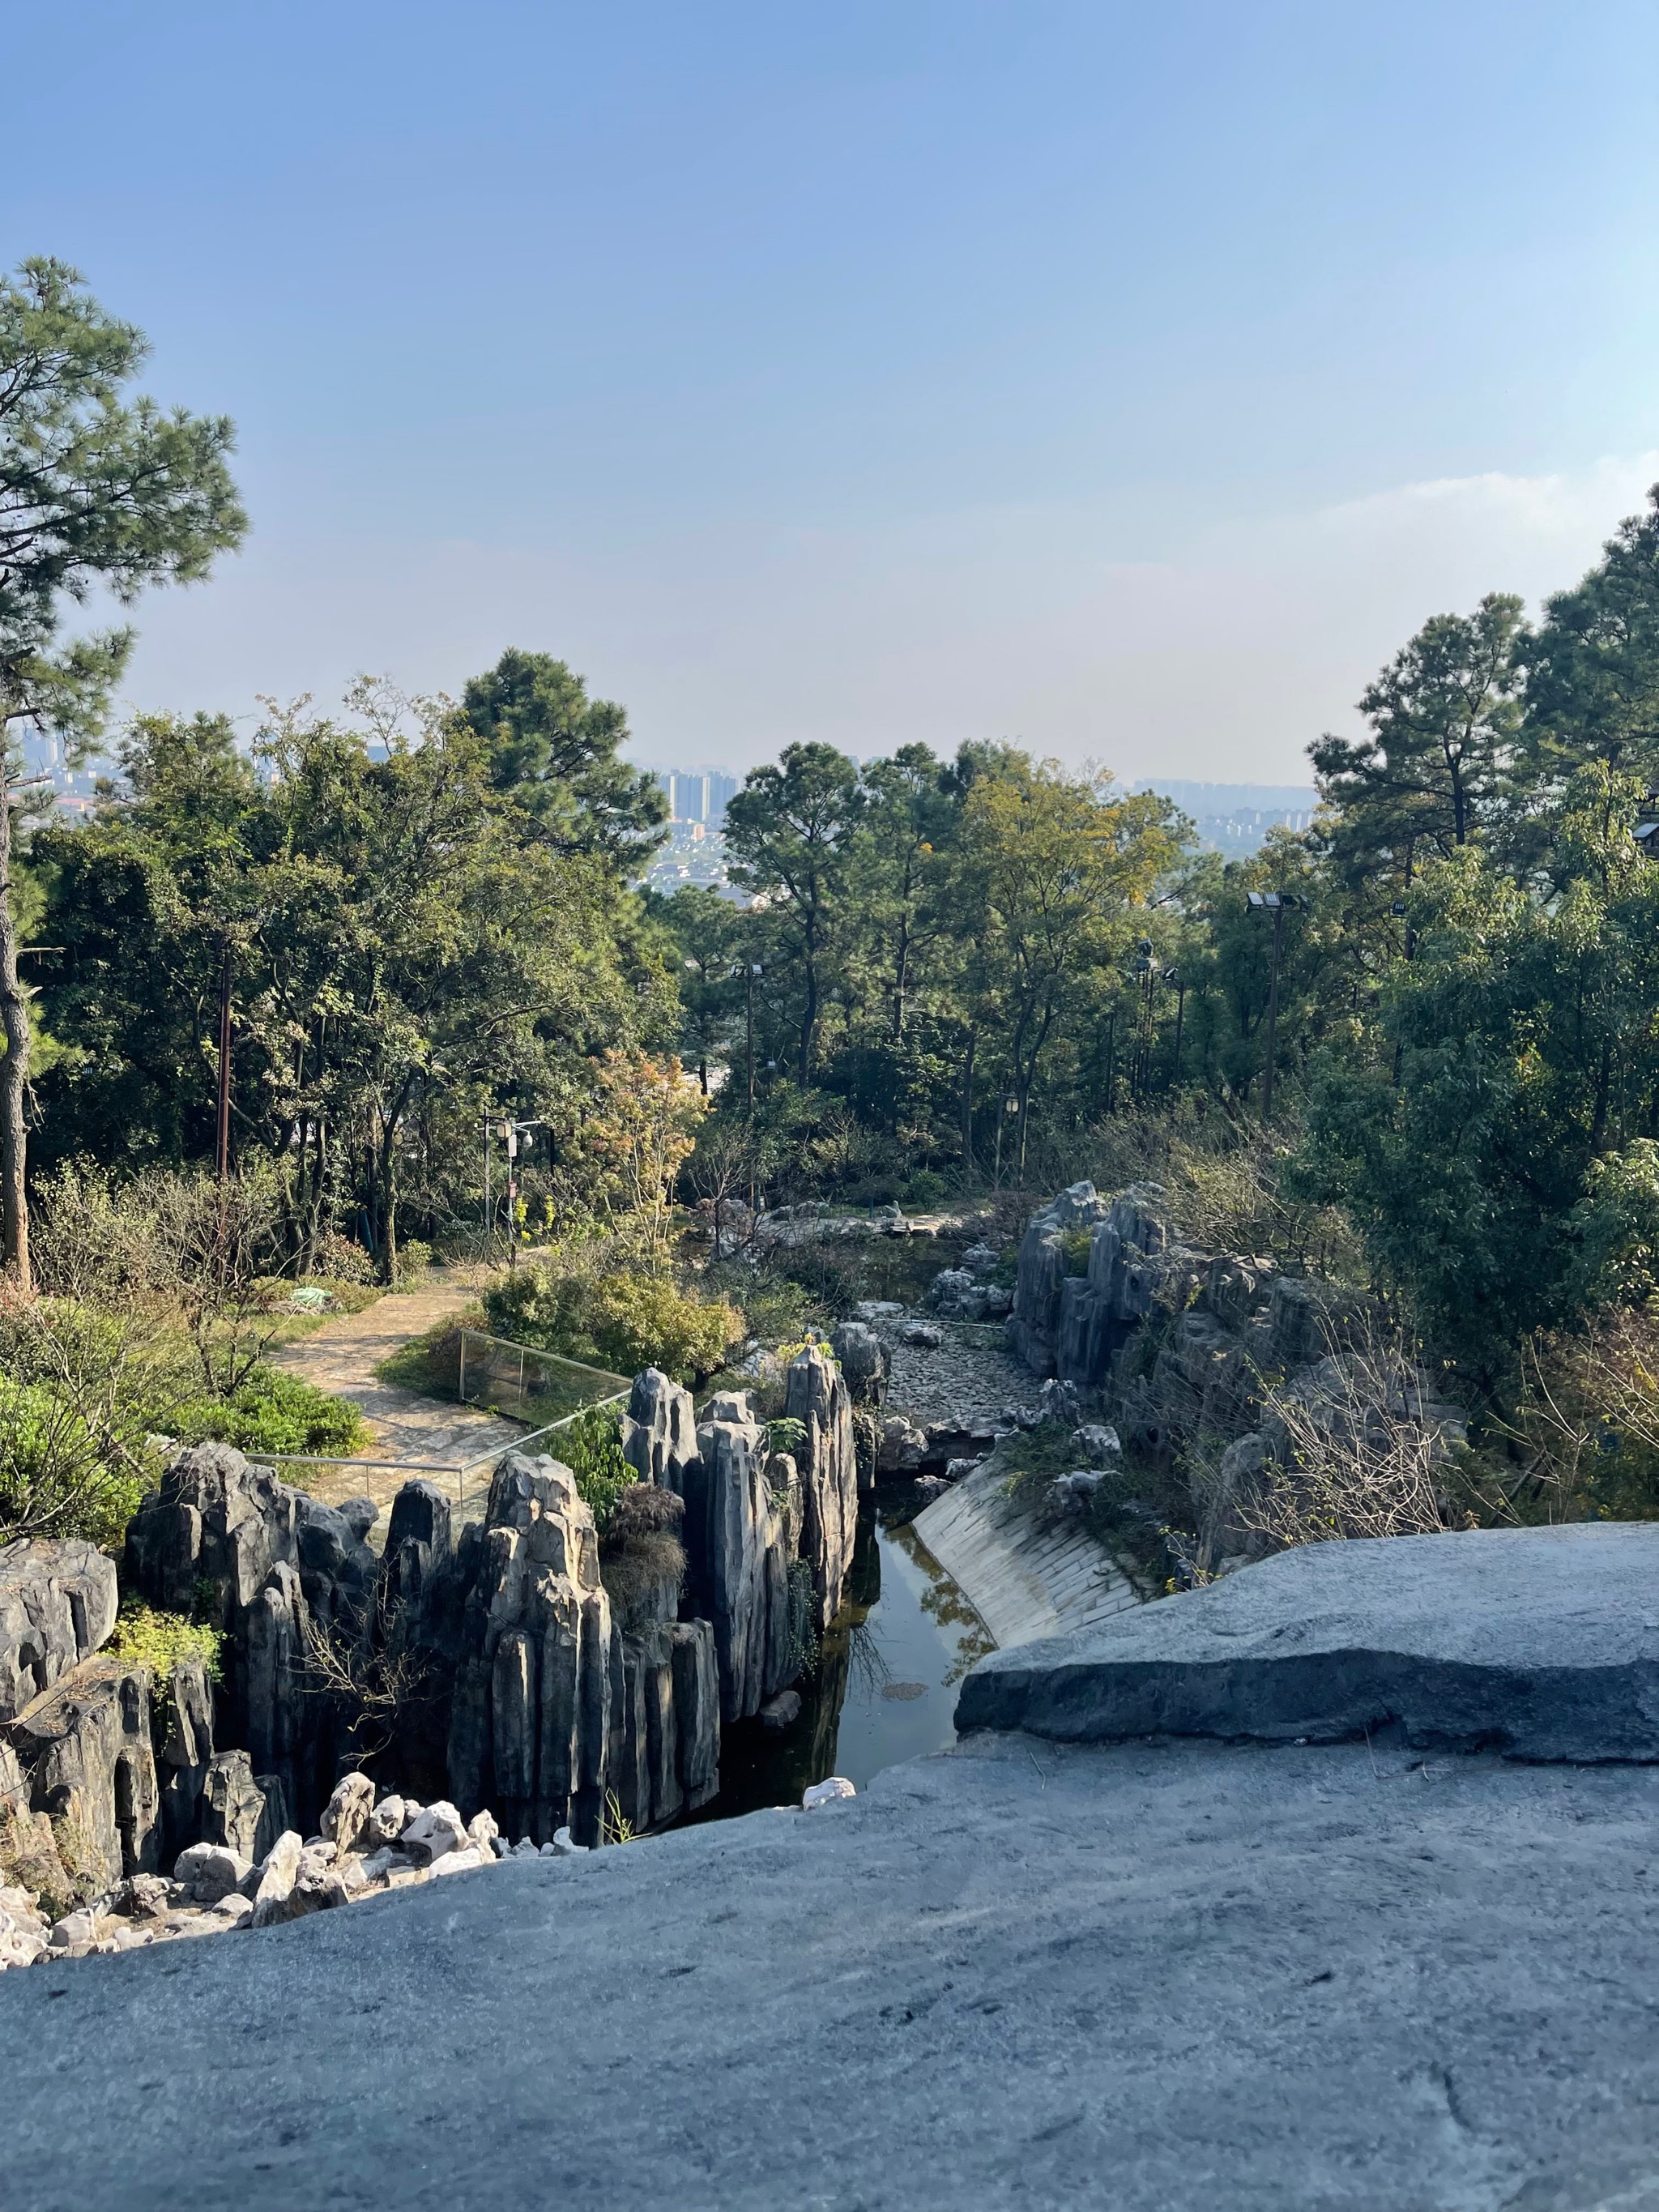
(482, 1829)
(73, 1928)
(348, 1811)
(390, 1817)
(211, 1871)
(458, 1862)
(826, 1793)
(563, 1848)
(434, 1832)
(277, 1875)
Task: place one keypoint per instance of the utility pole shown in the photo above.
(489, 1217)
(1277, 903)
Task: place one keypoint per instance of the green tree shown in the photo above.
(556, 752)
(1520, 1049)
(1593, 689)
(96, 490)
(1444, 715)
(789, 830)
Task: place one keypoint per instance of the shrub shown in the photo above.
(623, 1319)
(592, 1448)
(414, 1263)
(642, 1550)
(342, 1258)
(925, 1188)
(160, 1640)
(63, 1474)
(272, 1412)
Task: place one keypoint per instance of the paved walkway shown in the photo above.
(342, 1356)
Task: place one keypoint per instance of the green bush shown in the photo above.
(622, 1320)
(160, 1640)
(925, 1188)
(58, 1477)
(414, 1263)
(592, 1448)
(343, 1258)
(272, 1412)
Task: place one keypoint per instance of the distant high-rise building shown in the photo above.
(697, 795)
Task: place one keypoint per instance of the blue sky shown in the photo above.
(1128, 380)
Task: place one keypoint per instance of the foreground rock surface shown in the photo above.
(1541, 1643)
(1020, 1974)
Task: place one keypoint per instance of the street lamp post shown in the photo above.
(1278, 904)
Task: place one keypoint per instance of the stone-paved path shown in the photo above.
(968, 1381)
(342, 1356)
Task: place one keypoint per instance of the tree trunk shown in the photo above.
(968, 1102)
(13, 1069)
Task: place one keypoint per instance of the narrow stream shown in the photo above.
(885, 1687)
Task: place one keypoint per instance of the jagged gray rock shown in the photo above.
(738, 1539)
(817, 1398)
(347, 1813)
(529, 1720)
(272, 1559)
(660, 1431)
(85, 1754)
(863, 1360)
(1542, 1644)
(187, 1753)
(58, 1605)
(236, 1812)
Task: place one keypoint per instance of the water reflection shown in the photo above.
(885, 1687)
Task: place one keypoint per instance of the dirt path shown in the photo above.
(342, 1356)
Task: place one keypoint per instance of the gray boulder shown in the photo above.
(347, 1813)
(85, 1755)
(1541, 1644)
(863, 1359)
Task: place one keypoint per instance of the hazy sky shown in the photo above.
(1128, 380)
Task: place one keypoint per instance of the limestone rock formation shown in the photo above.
(274, 1560)
(660, 1431)
(737, 1537)
(187, 1754)
(863, 1360)
(818, 1398)
(58, 1603)
(85, 1754)
(530, 1718)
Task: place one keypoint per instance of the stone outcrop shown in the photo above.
(862, 1358)
(186, 1756)
(57, 1604)
(530, 1718)
(1537, 1643)
(741, 1533)
(85, 1759)
(224, 1537)
(818, 1398)
(660, 1431)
